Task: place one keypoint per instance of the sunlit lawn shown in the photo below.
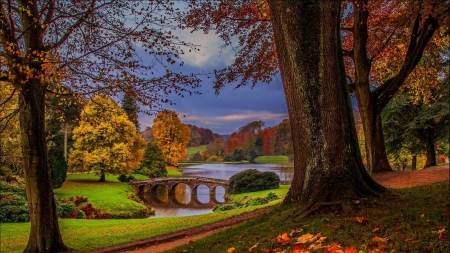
(85, 235)
(193, 150)
(272, 159)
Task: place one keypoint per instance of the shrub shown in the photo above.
(238, 155)
(228, 206)
(5, 171)
(252, 180)
(13, 202)
(257, 201)
(126, 178)
(197, 157)
(214, 158)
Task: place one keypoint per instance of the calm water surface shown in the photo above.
(183, 203)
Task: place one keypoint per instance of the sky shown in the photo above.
(232, 108)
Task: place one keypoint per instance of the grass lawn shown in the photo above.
(110, 196)
(272, 159)
(86, 235)
(415, 220)
(193, 150)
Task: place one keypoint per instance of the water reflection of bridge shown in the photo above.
(181, 198)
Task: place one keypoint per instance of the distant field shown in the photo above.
(272, 159)
(193, 150)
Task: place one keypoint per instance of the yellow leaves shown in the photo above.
(440, 232)
(284, 239)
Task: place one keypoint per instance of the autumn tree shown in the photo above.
(171, 135)
(383, 42)
(129, 105)
(105, 146)
(9, 129)
(153, 164)
(328, 166)
(92, 47)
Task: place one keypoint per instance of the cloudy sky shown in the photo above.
(231, 109)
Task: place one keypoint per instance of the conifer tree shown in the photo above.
(129, 105)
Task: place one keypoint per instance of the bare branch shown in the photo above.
(8, 119)
(70, 30)
(383, 47)
(9, 98)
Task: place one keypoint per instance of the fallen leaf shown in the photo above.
(231, 250)
(266, 251)
(422, 215)
(304, 238)
(277, 250)
(300, 248)
(360, 219)
(376, 230)
(315, 246)
(350, 249)
(380, 239)
(333, 248)
(356, 201)
(252, 247)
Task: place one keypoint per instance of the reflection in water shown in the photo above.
(182, 202)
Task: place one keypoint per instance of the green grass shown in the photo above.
(87, 235)
(110, 196)
(184, 164)
(410, 220)
(280, 192)
(272, 159)
(193, 150)
(173, 172)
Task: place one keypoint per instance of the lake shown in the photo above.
(183, 203)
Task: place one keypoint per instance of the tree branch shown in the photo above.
(383, 47)
(9, 98)
(72, 28)
(418, 40)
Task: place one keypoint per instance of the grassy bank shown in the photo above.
(86, 235)
(415, 220)
(193, 150)
(272, 159)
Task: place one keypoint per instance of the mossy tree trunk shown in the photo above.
(328, 164)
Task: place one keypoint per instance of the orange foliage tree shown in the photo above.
(171, 135)
(377, 36)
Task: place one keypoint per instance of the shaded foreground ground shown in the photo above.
(394, 179)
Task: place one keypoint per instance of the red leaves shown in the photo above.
(360, 219)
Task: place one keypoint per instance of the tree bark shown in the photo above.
(414, 163)
(328, 164)
(431, 149)
(44, 234)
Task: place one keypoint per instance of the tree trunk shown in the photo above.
(328, 164)
(431, 149)
(44, 233)
(414, 163)
(381, 161)
(102, 176)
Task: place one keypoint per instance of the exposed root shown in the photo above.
(312, 208)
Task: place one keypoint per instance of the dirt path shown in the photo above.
(393, 179)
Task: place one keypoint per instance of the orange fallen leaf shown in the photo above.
(300, 248)
(333, 248)
(231, 250)
(277, 250)
(360, 219)
(376, 230)
(350, 249)
(356, 201)
(380, 239)
(266, 251)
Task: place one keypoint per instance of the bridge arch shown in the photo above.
(172, 182)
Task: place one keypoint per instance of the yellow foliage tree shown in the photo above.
(171, 135)
(106, 140)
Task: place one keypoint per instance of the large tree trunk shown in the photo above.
(44, 233)
(328, 164)
(371, 119)
(431, 149)
(102, 176)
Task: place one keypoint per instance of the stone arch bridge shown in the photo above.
(150, 185)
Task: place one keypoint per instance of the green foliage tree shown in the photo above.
(171, 135)
(413, 125)
(238, 155)
(197, 157)
(253, 180)
(153, 164)
(129, 105)
(108, 146)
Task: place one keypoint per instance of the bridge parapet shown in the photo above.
(172, 182)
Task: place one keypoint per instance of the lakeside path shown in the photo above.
(393, 179)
